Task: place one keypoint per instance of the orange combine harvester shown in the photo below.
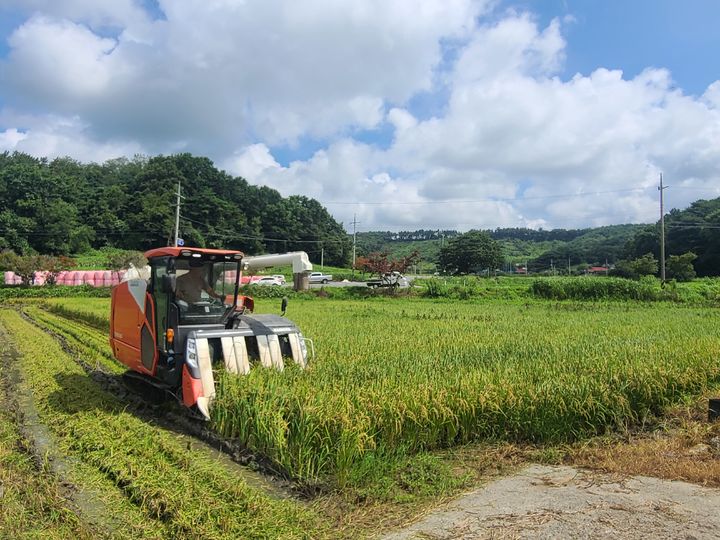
(172, 328)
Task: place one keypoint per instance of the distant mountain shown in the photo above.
(539, 248)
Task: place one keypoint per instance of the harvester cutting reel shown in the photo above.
(265, 340)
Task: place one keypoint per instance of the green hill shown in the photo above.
(66, 207)
(538, 248)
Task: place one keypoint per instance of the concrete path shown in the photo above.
(562, 502)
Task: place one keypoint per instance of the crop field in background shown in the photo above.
(398, 377)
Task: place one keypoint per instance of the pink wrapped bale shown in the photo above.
(76, 277)
(62, 278)
(40, 278)
(11, 278)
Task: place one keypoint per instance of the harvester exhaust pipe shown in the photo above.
(301, 266)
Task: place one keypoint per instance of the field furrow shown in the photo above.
(161, 486)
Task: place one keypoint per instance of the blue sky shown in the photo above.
(682, 36)
(444, 114)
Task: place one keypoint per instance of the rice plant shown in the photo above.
(416, 374)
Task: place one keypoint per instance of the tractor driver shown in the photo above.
(189, 286)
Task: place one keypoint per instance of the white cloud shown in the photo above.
(234, 79)
(221, 74)
(55, 136)
(117, 13)
(10, 138)
(40, 64)
(511, 123)
(251, 162)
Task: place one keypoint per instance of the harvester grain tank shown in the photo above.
(173, 327)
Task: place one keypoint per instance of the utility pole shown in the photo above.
(661, 188)
(322, 256)
(177, 215)
(355, 222)
(568, 266)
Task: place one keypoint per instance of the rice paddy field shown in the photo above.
(396, 383)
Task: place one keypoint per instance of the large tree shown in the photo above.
(469, 253)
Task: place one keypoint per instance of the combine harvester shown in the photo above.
(171, 328)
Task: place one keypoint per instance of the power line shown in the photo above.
(226, 233)
(687, 226)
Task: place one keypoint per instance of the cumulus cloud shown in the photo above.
(118, 13)
(57, 136)
(39, 62)
(219, 74)
(517, 133)
(513, 143)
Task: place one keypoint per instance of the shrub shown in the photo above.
(596, 288)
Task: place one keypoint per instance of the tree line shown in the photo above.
(692, 246)
(64, 207)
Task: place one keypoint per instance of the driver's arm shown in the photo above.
(179, 293)
(208, 289)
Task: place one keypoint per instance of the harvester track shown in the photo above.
(172, 416)
(37, 443)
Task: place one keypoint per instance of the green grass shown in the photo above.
(167, 489)
(649, 289)
(96, 259)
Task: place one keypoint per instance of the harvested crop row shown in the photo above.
(88, 341)
(177, 492)
(32, 502)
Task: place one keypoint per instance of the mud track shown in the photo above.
(546, 502)
(37, 442)
(255, 469)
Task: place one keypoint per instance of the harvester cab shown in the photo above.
(187, 318)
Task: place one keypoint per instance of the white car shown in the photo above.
(280, 278)
(268, 280)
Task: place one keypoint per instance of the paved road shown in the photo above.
(339, 284)
(543, 502)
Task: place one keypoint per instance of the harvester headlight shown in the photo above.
(191, 353)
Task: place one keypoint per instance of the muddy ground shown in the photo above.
(564, 502)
